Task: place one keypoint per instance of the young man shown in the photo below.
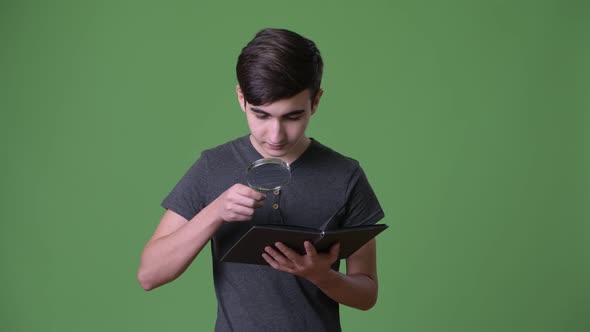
(279, 74)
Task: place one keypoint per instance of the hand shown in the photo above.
(312, 266)
(238, 203)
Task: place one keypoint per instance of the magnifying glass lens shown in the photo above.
(268, 174)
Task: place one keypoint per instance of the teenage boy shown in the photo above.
(279, 74)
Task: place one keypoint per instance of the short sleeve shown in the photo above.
(189, 195)
(363, 207)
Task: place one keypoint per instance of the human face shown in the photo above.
(278, 129)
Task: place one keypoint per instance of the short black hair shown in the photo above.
(278, 64)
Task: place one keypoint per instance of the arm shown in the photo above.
(173, 246)
(357, 288)
(176, 242)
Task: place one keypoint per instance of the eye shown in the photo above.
(261, 116)
(294, 118)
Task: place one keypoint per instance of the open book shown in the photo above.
(250, 246)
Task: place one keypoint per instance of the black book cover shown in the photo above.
(250, 246)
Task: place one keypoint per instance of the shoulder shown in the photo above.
(330, 165)
(329, 157)
(225, 147)
(225, 151)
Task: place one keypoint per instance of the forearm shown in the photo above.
(166, 258)
(356, 290)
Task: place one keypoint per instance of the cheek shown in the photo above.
(252, 124)
(298, 128)
(257, 128)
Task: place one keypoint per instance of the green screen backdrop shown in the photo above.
(470, 119)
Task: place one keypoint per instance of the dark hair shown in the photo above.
(278, 64)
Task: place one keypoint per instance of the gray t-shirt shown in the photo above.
(259, 298)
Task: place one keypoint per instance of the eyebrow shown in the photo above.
(259, 111)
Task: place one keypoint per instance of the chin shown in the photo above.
(276, 153)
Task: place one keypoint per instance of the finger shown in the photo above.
(310, 249)
(246, 201)
(240, 210)
(251, 193)
(275, 265)
(277, 256)
(335, 250)
(288, 252)
(270, 261)
(257, 195)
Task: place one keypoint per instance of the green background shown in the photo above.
(470, 119)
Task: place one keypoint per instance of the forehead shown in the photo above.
(300, 101)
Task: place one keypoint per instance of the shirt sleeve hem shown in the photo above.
(183, 212)
(371, 220)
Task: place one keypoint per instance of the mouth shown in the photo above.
(276, 146)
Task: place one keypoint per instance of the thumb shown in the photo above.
(335, 250)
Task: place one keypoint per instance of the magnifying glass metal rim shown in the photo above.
(267, 161)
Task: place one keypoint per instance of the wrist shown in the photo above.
(213, 212)
(210, 215)
(325, 279)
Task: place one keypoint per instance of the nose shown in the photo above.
(276, 132)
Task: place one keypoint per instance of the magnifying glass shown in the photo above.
(268, 174)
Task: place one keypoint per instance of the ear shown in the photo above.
(316, 101)
(241, 99)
